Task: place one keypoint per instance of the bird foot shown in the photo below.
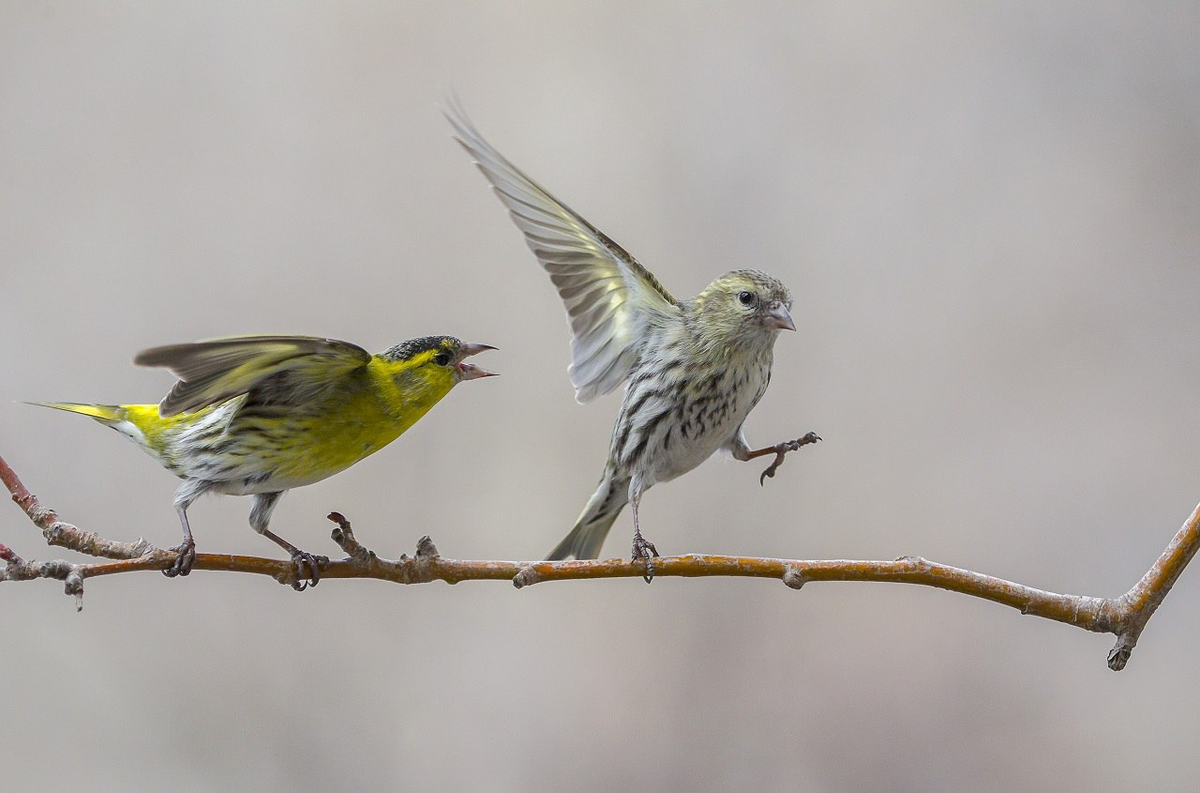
(782, 449)
(185, 558)
(314, 564)
(644, 549)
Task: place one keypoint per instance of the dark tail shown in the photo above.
(584, 541)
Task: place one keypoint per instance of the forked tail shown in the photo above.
(584, 541)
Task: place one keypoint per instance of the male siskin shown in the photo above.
(259, 415)
(693, 369)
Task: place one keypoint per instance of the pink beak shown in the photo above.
(779, 317)
(469, 371)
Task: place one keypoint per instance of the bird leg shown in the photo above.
(308, 566)
(642, 548)
(186, 550)
(189, 491)
(302, 559)
(779, 450)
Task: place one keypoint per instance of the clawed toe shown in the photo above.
(185, 558)
(645, 550)
(791, 446)
(781, 449)
(769, 473)
(308, 569)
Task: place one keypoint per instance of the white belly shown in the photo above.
(673, 433)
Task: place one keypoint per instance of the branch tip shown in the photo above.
(342, 533)
(9, 555)
(73, 585)
(1118, 656)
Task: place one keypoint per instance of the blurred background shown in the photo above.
(989, 215)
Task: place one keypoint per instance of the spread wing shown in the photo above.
(611, 299)
(214, 371)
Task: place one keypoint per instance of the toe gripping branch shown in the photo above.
(645, 550)
(184, 560)
(315, 565)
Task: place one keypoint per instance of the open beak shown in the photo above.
(779, 317)
(469, 371)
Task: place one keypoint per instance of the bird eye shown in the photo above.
(442, 358)
(745, 298)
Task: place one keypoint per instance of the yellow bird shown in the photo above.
(259, 415)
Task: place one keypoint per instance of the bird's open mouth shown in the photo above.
(469, 371)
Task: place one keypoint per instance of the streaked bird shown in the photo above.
(693, 369)
(259, 415)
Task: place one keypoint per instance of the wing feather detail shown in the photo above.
(217, 370)
(611, 299)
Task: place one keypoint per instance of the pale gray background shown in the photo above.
(989, 215)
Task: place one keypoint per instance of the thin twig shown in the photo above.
(1124, 616)
(63, 534)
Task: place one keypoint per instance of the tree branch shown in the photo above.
(1124, 616)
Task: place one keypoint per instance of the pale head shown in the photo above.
(745, 304)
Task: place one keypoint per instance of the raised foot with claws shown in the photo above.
(781, 449)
